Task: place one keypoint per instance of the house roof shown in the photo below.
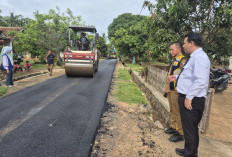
(4, 30)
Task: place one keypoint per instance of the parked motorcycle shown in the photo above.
(227, 70)
(219, 79)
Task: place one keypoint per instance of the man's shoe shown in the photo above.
(176, 137)
(180, 151)
(170, 131)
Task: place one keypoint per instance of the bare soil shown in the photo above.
(24, 83)
(220, 125)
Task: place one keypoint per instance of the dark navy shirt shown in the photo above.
(50, 59)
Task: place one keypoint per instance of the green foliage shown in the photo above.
(170, 21)
(2, 21)
(127, 34)
(101, 45)
(123, 74)
(126, 90)
(3, 91)
(47, 31)
(124, 21)
(13, 20)
(35, 65)
(134, 67)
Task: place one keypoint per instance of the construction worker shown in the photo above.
(84, 42)
(170, 92)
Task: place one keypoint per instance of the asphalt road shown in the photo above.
(56, 118)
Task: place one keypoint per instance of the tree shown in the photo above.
(15, 20)
(171, 21)
(128, 35)
(2, 20)
(47, 31)
(124, 21)
(101, 45)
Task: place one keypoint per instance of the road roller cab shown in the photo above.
(81, 59)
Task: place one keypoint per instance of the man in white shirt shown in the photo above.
(192, 86)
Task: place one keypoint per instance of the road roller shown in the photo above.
(81, 58)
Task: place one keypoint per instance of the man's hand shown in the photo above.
(188, 104)
(7, 71)
(172, 78)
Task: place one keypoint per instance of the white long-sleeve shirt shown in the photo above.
(5, 63)
(194, 79)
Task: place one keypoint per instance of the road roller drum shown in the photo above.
(85, 70)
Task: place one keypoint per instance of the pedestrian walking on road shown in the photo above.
(50, 61)
(7, 62)
(192, 86)
(170, 91)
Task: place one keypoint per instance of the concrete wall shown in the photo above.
(153, 88)
(155, 97)
(157, 76)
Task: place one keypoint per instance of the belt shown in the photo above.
(181, 95)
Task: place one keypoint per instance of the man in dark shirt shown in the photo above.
(50, 61)
(83, 42)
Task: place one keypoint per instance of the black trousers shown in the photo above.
(190, 120)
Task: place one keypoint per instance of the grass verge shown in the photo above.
(3, 91)
(134, 67)
(34, 64)
(123, 75)
(126, 90)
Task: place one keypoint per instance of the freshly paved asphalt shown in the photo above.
(56, 118)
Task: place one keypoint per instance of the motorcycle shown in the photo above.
(227, 70)
(219, 79)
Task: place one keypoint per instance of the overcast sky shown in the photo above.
(99, 13)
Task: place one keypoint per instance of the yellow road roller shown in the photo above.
(82, 58)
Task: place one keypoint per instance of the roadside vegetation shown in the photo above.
(46, 31)
(134, 67)
(3, 90)
(126, 90)
(35, 64)
(147, 38)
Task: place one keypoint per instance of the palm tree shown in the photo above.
(13, 20)
(16, 20)
(2, 21)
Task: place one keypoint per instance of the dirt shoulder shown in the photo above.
(220, 124)
(30, 81)
(126, 130)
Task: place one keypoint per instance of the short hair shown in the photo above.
(177, 44)
(27, 61)
(195, 37)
